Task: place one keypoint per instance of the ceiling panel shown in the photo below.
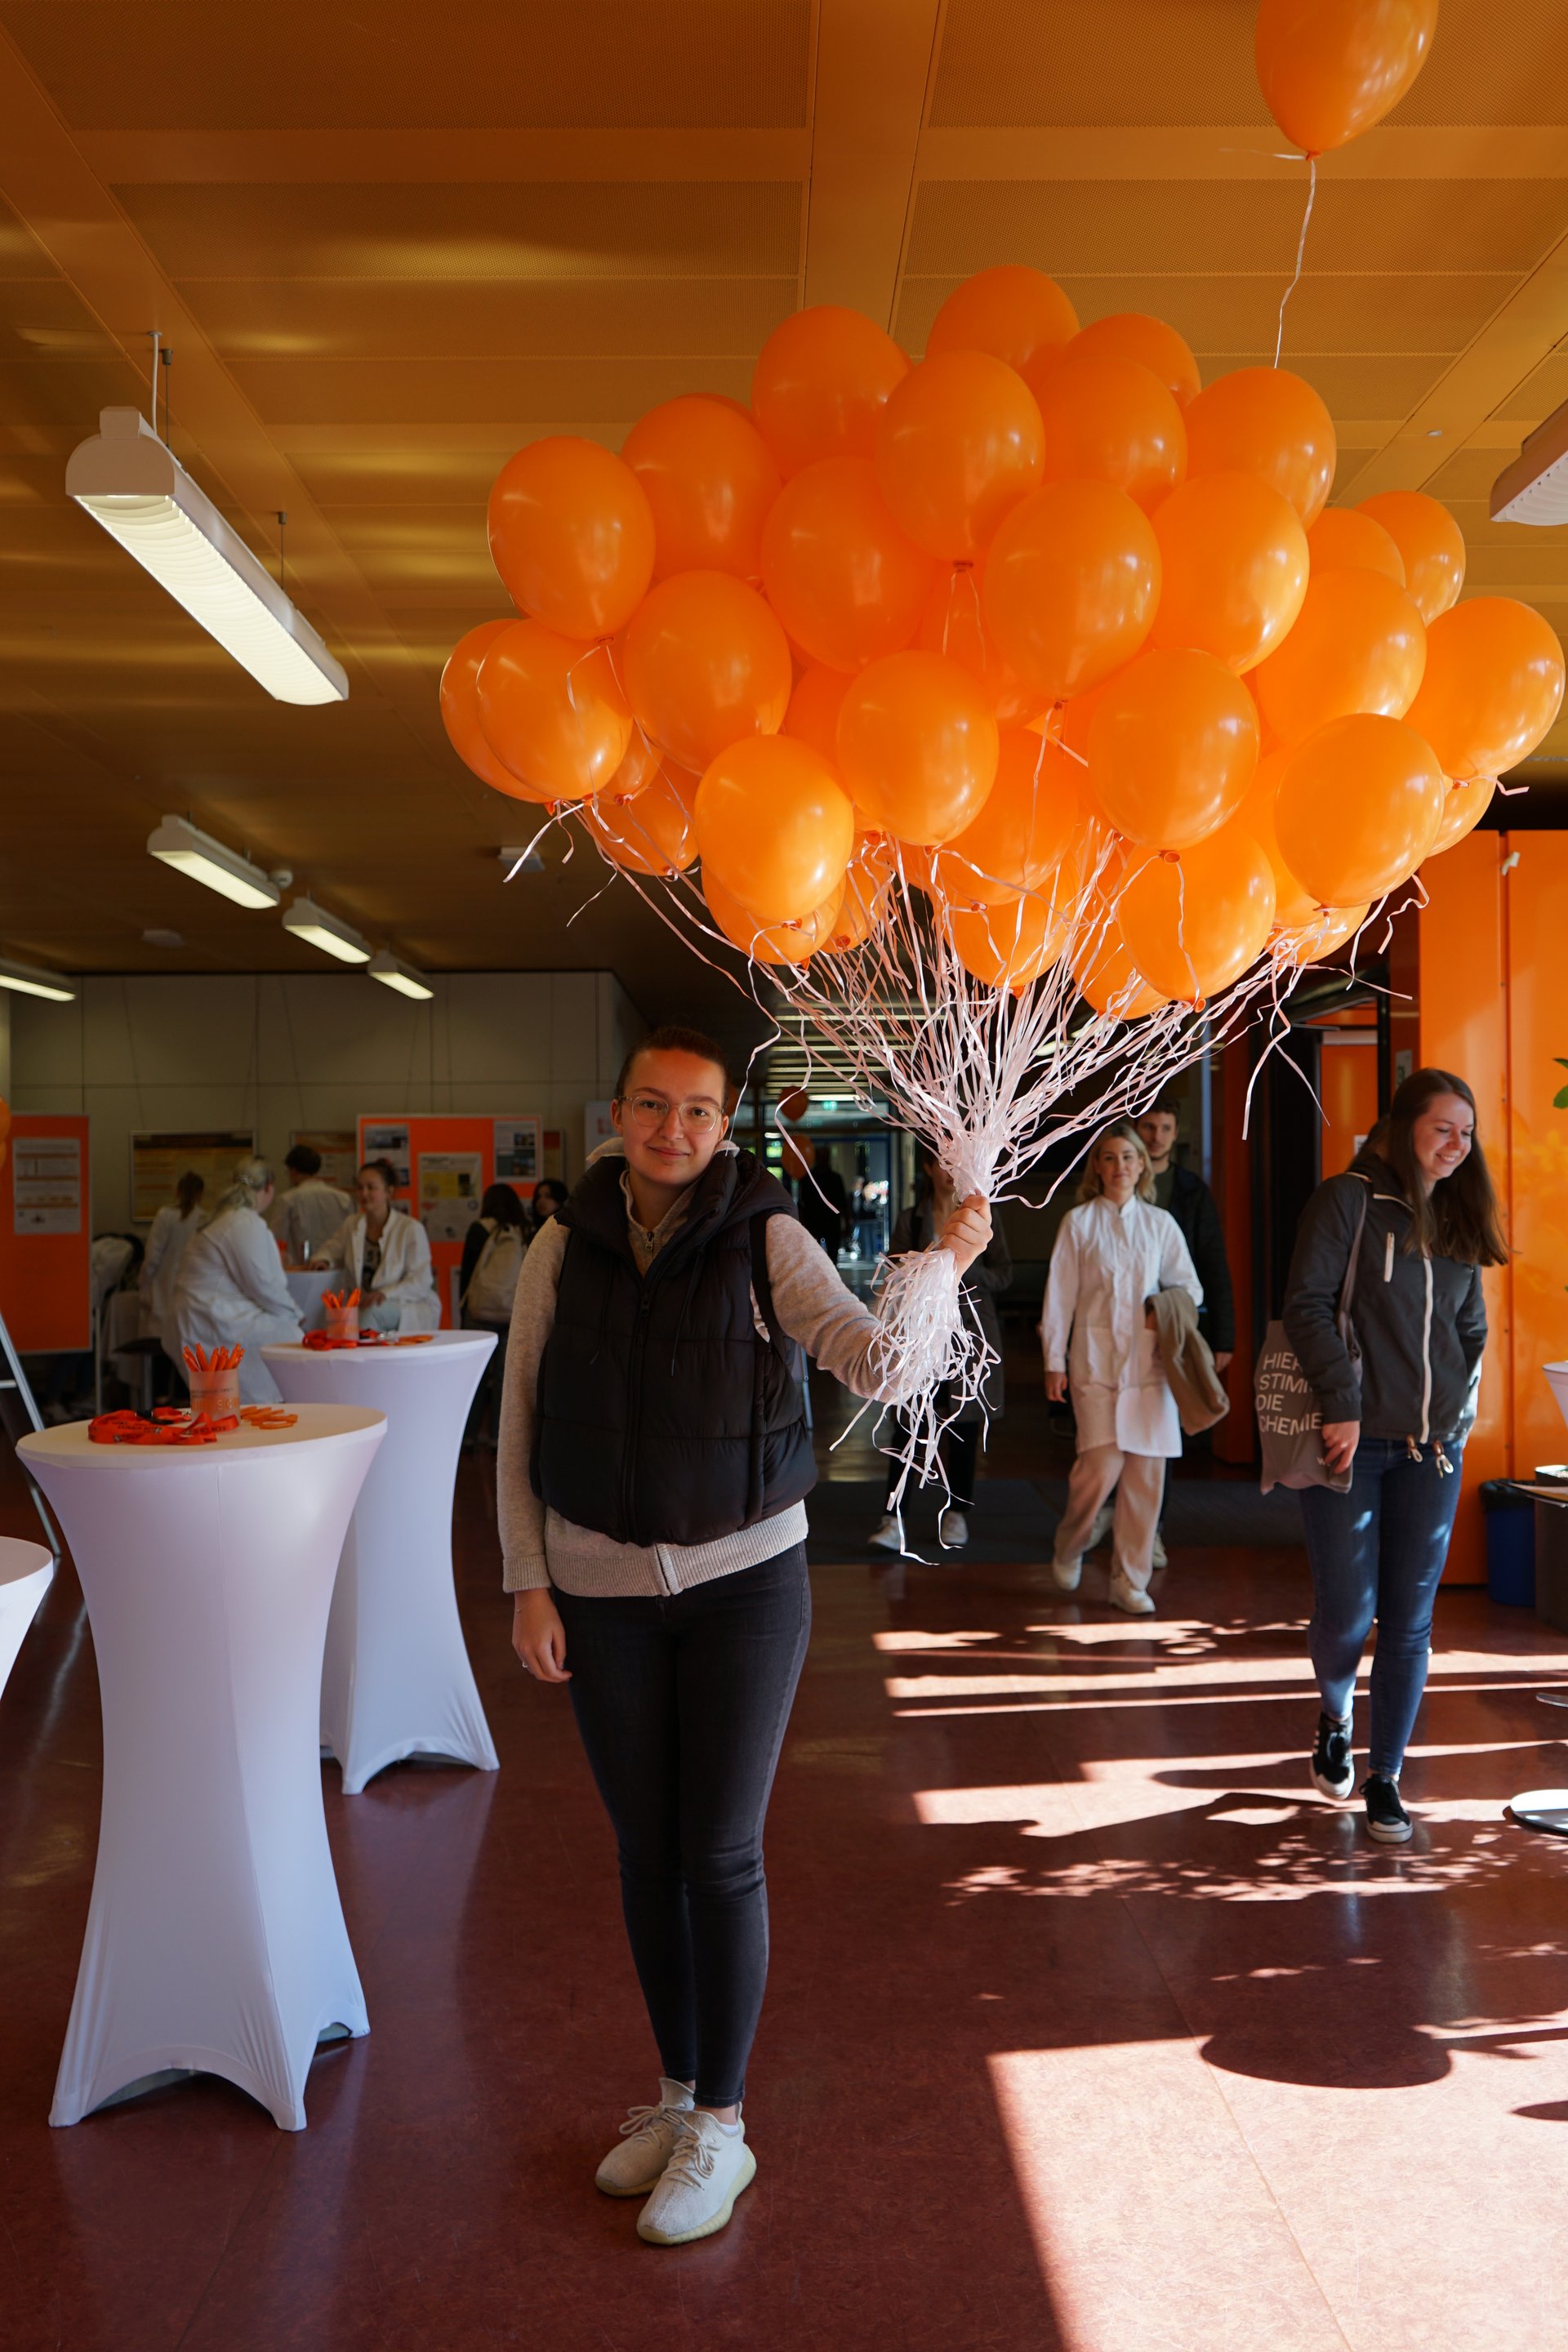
(1138, 61)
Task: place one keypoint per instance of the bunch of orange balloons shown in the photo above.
(955, 625)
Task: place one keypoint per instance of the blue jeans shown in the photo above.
(1378, 1551)
(682, 1703)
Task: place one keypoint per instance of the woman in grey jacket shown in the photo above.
(1423, 1202)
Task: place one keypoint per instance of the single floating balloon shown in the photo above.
(846, 582)
(822, 381)
(959, 444)
(552, 712)
(1072, 583)
(918, 746)
(571, 534)
(711, 482)
(1358, 644)
(1359, 807)
(1014, 312)
(1330, 69)
(1266, 421)
(706, 664)
(773, 828)
(1493, 686)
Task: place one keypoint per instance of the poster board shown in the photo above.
(46, 1232)
(160, 1157)
(338, 1148)
(443, 1161)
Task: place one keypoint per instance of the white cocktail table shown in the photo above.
(216, 1941)
(27, 1571)
(396, 1681)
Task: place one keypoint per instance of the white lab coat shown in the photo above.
(1107, 1264)
(404, 1275)
(230, 1288)
(161, 1265)
(309, 1212)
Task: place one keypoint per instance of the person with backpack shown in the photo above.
(655, 1460)
(1410, 1222)
(493, 1250)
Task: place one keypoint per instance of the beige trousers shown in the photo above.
(1140, 1483)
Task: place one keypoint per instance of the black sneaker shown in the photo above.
(1333, 1766)
(1387, 1819)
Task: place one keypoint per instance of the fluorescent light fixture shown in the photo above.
(1534, 489)
(521, 861)
(132, 482)
(309, 921)
(385, 967)
(26, 980)
(180, 843)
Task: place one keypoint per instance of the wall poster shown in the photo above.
(159, 1160)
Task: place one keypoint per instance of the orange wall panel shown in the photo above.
(45, 1285)
(1347, 1091)
(1538, 1037)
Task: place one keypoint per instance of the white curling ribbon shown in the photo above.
(931, 1366)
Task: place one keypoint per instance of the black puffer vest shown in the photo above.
(665, 1414)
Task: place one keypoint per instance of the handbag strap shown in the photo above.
(1347, 1288)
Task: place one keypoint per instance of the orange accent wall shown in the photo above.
(443, 1131)
(1347, 1091)
(44, 1281)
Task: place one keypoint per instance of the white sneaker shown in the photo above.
(648, 2142)
(952, 1528)
(1129, 1598)
(889, 1536)
(1100, 1533)
(697, 2191)
(1157, 1557)
(1065, 1574)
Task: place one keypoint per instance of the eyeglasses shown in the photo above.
(652, 1110)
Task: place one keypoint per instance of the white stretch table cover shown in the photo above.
(305, 1289)
(397, 1680)
(215, 1940)
(27, 1571)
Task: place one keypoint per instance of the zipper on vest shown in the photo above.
(634, 1413)
(1426, 1355)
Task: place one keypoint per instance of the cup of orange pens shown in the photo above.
(340, 1310)
(214, 1376)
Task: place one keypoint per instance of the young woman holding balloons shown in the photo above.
(1418, 1212)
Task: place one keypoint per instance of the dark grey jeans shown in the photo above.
(682, 1703)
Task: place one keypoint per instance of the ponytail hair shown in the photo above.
(252, 1178)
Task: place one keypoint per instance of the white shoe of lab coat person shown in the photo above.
(403, 1275)
(230, 1291)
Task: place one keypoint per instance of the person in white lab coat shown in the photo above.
(1114, 1254)
(231, 1288)
(173, 1227)
(385, 1256)
(306, 1217)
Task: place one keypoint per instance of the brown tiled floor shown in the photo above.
(1089, 2025)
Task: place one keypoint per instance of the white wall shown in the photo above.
(279, 1053)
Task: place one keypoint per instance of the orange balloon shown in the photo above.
(1463, 810)
(1074, 720)
(1071, 585)
(1431, 546)
(1134, 335)
(641, 766)
(954, 623)
(774, 827)
(1268, 421)
(1107, 977)
(1493, 686)
(1110, 419)
(1359, 644)
(773, 943)
(842, 577)
(1329, 928)
(918, 746)
(959, 444)
(650, 831)
(1292, 905)
(1343, 539)
(1328, 70)
(572, 535)
(1022, 833)
(1193, 924)
(822, 381)
(1358, 808)
(867, 885)
(706, 663)
(1012, 311)
(813, 708)
(461, 708)
(1235, 566)
(1173, 748)
(711, 482)
(1007, 946)
(552, 712)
